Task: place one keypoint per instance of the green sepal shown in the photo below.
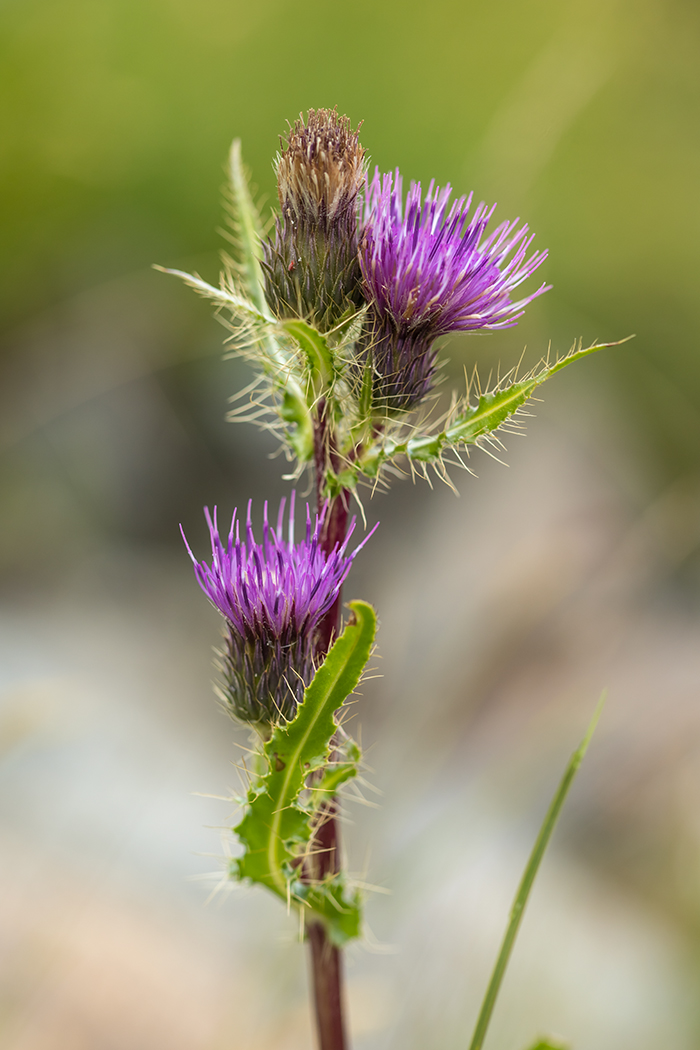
(277, 825)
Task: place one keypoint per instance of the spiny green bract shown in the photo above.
(284, 804)
(312, 390)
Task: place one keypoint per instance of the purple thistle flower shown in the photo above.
(273, 595)
(431, 270)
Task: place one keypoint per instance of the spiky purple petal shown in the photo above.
(273, 595)
(428, 270)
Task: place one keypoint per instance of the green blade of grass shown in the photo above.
(546, 1044)
(527, 881)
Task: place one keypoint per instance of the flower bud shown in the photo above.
(310, 262)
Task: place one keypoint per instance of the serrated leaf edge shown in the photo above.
(336, 678)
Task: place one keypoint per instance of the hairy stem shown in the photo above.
(326, 958)
(327, 969)
(334, 529)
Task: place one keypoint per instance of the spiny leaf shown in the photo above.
(276, 825)
(248, 225)
(337, 902)
(223, 296)
(315, 347)
(294, 410)
(492, 410)
(333, 776)
(242, 293)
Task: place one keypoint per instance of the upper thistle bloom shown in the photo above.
(430, 270)
(273, 595)
(310, 262)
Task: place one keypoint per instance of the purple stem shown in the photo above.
(326, 958)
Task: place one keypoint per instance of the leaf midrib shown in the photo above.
(274, 842)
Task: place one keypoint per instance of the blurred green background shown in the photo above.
(577, 568)
(579, 116)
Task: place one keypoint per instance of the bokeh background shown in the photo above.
(504, 611)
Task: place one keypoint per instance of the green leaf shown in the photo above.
(333, 777)
(547, 1044)
(335, 901)
(250, 299)
(242, 294)
(364, 407)
(492, 410)
(249, 229)
(314, 346)
(295, 414)
(335, 484)
(526, 884)
(249, 235)
(293, 408)
(223, 296)
(277, 825)
(248, 226)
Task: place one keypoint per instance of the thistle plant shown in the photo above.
(340, 309)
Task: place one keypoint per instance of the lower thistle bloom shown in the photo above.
(428, 271)
(273, 595)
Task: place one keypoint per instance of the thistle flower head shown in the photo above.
(310, 262)
(429, 270)
(273, 596)
(320, 169)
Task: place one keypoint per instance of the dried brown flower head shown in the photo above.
(321, 168)
(311, 260)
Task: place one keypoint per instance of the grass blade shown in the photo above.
(527, 881)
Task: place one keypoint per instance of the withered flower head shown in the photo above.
(320, 171)
(311, 260)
